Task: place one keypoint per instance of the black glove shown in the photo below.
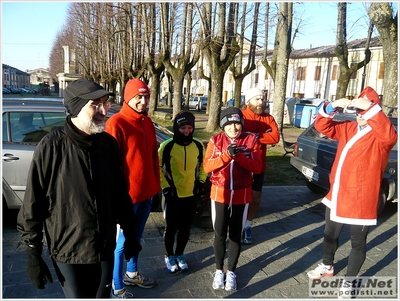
(36, 268)
(200, 188)
(233, 149)
(168, 193)
(131, 247)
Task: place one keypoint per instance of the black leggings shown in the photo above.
(179, 213)
(358, 236)
(87, 280)
(225, 218)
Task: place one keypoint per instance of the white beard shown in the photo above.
(91, 127)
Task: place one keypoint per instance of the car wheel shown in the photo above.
(315, 188)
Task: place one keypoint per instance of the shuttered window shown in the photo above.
(334, 72)
(317, 75)
(301, 73)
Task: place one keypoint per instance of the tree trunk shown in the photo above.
(283, 49)
(221, 51)
(381, 14)
(238, 72)
(238, 92)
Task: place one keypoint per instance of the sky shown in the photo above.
(28, 29)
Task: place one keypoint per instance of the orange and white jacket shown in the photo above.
(360, 161)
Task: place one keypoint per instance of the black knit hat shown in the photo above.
(181, 119)
(79, 92)
(231, 115)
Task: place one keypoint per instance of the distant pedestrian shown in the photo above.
(182, 182)
(76, 192)
(264, 126)
(231, 157)
(363, 150)
(136, 138)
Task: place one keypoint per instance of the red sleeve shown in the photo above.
(211, 164)
(271, 135)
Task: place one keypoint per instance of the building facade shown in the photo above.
(14, 78)
(312, 73)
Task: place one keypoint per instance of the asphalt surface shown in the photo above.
(287, 237)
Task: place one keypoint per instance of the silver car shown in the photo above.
(25, 122)
(198, 102)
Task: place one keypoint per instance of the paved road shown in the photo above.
(287, 237)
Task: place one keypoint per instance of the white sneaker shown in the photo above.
(230, 282)
(320, 271)
(183, 266)
(170, 263)
(219, 278)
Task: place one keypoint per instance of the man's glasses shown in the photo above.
(103, 105)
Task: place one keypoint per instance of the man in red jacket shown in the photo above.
(136, 137)
(266, 129)
(363, 151)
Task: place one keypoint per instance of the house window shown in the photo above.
(230, 78)
(317, 75)
(301, 73)
(334, 72)
(381, 70)
(256, 78)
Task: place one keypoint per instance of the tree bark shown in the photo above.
(381, 14)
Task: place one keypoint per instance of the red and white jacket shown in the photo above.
(232, 177)
(360, 161)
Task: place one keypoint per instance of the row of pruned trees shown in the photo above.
(116, 41)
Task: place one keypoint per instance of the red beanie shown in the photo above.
(133, 87)
(371, 94)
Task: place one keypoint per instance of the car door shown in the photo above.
(18, 147)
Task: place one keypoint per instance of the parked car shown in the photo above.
(231, 102)
(25, 122)
(6, 91)
(23, 90)
(314, 154)
(198, 102)
(14, 90)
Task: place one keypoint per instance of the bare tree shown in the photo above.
(64, 37)
(109, 39)
(219, 53)
(342, 53)
(381, 14)
(178, 36)
(152, 49)
(278, 67)
(238, 72)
